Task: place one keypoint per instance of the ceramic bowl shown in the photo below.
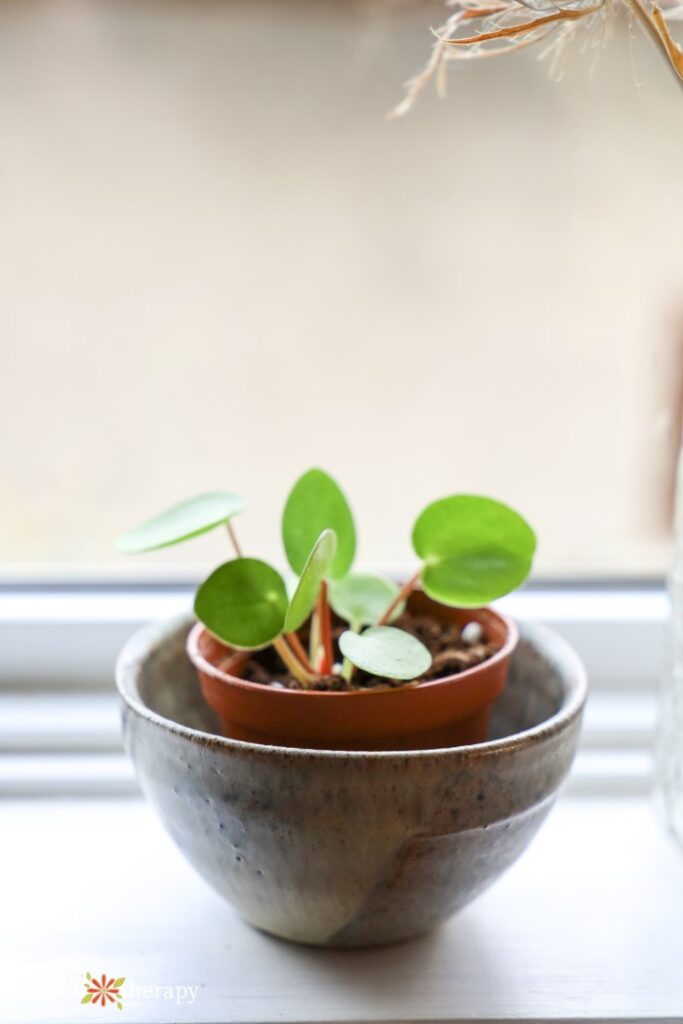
(337, 848)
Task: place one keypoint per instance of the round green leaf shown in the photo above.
(386, 652)
(188, 519)
(243, 603)
(316, 503)
(316, 569)
(362, 599)
(475, 549)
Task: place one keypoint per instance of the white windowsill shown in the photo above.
(74, 633)
(59, 729)
(585, 927)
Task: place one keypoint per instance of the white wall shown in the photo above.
(220, 264)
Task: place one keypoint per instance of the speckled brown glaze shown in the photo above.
(349, 849)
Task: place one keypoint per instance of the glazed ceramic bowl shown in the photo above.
(338, 848)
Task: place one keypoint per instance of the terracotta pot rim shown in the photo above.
(150, 639)
(204, 665)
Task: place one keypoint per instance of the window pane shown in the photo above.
(221, 264)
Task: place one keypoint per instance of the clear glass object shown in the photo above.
(669, 753)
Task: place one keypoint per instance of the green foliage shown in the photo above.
(181, 522)
(316, 503)
(243, 603)
(475, 549)
(386, 652)
(317, 567)
(361, 599)
(87, 997)
(472, 549)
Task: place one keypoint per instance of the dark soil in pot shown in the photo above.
(454, 648)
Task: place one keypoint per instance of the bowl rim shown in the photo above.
(142, 644)
(202, 663)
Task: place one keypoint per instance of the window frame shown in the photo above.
(59, 730)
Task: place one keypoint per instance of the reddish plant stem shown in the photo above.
(299, 650)
(292, 662)
(325, 626)
(403, 595)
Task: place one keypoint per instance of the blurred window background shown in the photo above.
(221, 263)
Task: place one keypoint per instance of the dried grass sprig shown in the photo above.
(508, 25)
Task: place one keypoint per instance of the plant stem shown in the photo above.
(654, 24)
(325, 627)
(294, 659)
(348, 668)
(233, 538)
(403, 594)
(314, 638)
(299, 650)
(292, 662)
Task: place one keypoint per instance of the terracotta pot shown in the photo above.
(444, 712)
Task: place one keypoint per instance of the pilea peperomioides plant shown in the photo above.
(472, 550)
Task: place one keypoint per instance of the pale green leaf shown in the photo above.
(317, 567)
(362, 599)
(316, 503)
(386, 652)
(181, 522)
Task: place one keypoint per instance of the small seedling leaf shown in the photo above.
(316, 503)
(386, 652)
(181, 522)
(362, 599)
(475, 549)
(317, 567)
(87, 997)
(243, 603)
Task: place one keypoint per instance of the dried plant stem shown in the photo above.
(503, 26)
(403, 594)
(654, 24)
(523, 27)
(433, 69)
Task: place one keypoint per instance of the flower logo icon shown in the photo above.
(107, 990)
